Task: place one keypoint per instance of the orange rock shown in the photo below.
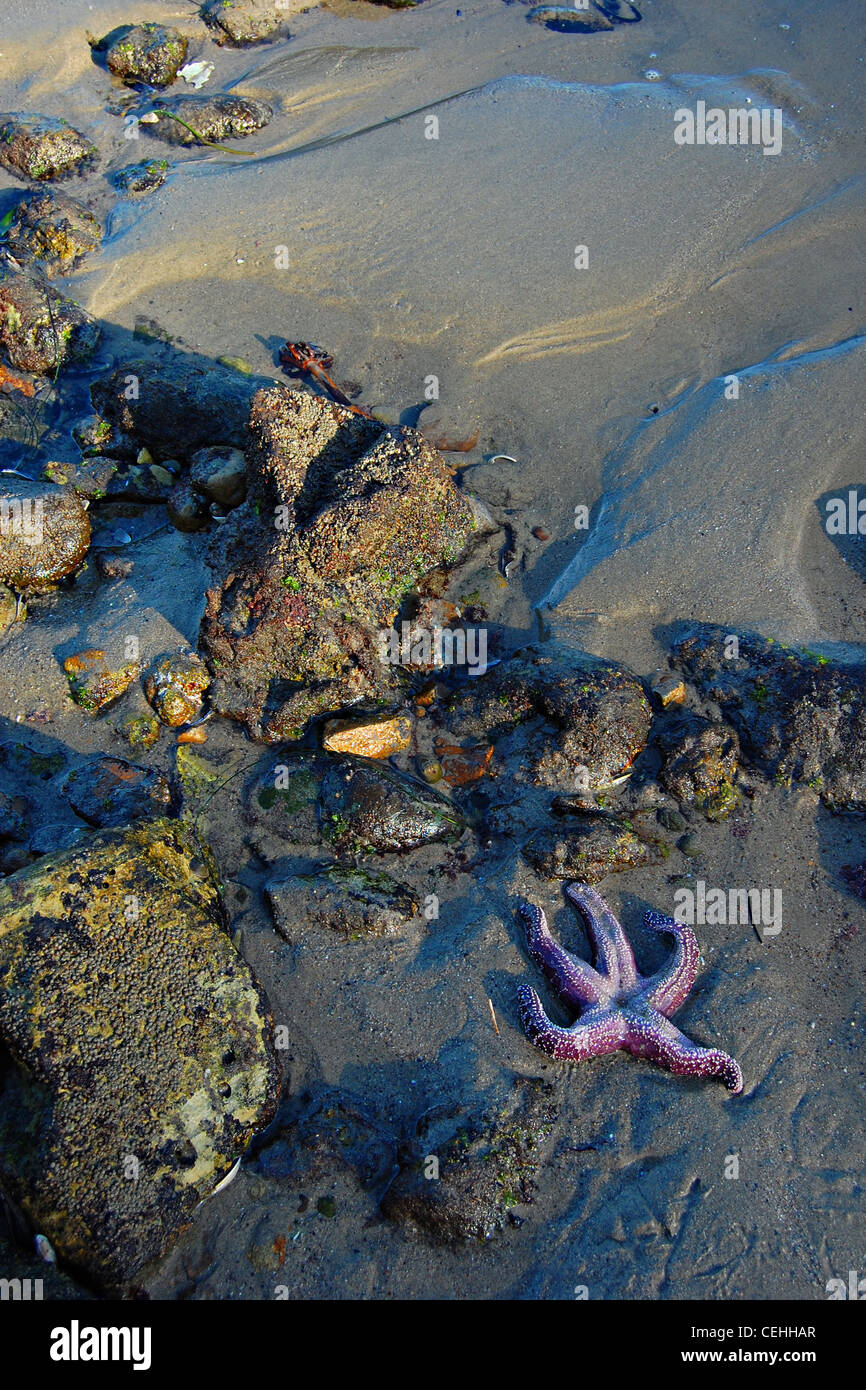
(197, 735)
(376, 737)
(462, 765)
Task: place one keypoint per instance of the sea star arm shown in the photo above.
(607, 936)
(592, 1037)
(575, 980)
(667, 989)
(657, 1039)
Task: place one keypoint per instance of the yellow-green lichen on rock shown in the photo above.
(141, 1041)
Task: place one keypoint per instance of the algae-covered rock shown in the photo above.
(40, 328)
(343, 519)
(352, 901)
(141, 1045)
(41, 147)
(111, 791)
(52, 231)
(241, 23)
(801, 717)
(699, 763)
(150, 53)
(175, 687)
(468, 1182)
(144, 177)
(215, 118)
(94, 682)
(44, 533)
(368, 807)
(587, 850)
(90, 478)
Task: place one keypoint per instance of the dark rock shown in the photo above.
(14, 857)
(221, 474)
(186, 510)
(50, 838)
(599, 711)
(44, 533)
(215, 118)
(352, 901)
(241, 22)
(175, 687)
(281, 803)
(142, 1043)
(689, 845)
(150, 53)
(96, 437)
(343, 519)
(111, 791)
(331, 1130)
(699, 763)
(40, 328)
(800, 717)
(13, 817)
(596, 846)
(366, 806)
(176, 404)
(41, 147)
(468, 1182)
(137, 179)
(137, 482)
(671, 820)
(52, 231)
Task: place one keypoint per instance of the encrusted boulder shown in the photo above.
(140, 1041)
(44, 533)
(52, 231)
(800, 716)
(41, 147)
(343, 519)
(150, 53)
(40, 328)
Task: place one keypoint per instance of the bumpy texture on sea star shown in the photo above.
(618, 1008)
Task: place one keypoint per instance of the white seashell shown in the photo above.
(229, 1178)
(196, 74)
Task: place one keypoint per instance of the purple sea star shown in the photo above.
(619, 1009)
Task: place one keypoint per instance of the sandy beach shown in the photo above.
(659, 349)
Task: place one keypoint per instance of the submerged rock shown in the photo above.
(41, 147)
(186, 510)
(150, 53)
(214, 118)
(368, 807)
(588, 850)
(468, 1182)
(352, 901)
(89, 479)
(40, 328)
(53, 231)
(564, 19)
(111, 791)
(142, 1044)
(343, 519)
(800, 717)
(94, 683)
(145, 177)
(44, 533)
(241, 22)
(699, 763)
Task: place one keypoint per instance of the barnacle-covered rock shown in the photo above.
(242, 22)
(44, 533)
(352, 901)
(150, 53)
(365, 806)
(141, 1043)
(175, 687)
(214, 118)
(41, 147)
(801, 717)
(699, 763)
(52, 231)
(40, 328)
(587, 849)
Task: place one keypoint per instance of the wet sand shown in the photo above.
(455, 257)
